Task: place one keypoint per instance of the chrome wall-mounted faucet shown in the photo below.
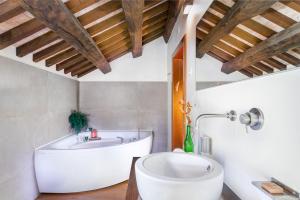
(205, 142)
(230, 115)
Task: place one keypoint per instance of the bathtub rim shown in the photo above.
(42, 147)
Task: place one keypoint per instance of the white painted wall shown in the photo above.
(151, 66)
(208, 69)
(258, 155)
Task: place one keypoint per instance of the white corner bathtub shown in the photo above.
(67, 165)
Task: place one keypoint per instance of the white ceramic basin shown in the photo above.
(178, 176)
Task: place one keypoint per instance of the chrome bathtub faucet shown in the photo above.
(121, 138)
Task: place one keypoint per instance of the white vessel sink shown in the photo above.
(178, 176)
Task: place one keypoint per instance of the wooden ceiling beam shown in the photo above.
(255, 70)
(289, 58)
(110, 33)
(98, 39)
(276, 44)
(152, 28)
(106, 24)
(61, 57)
(71, 52)
(102, 37)
(246, 73)
(297, 50)
(263, 67)
(10, 9)
(76, 66)
(82, 69)
(93, 30)
(51, 36)
(161, 17)
(110, 49)
(113, 35)
(36, 43)
(86, 72)
(241, 11)
(153, 35)
(50, 51)
(59, 18)
(32, 26)
(253, 40)
(20, 32)
(155, 11)
(113, 41)
(133, 10)
(174, 10)
(224, 57)
(260, 66)
(278, 18)
(274, 63)
(113, 53)
(69, 62)
(152, 9)
(116, 54)
(115, 47)
(293, 5)
(124, 49)
(79, 63)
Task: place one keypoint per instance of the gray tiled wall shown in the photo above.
(34, 106)
(127, 106)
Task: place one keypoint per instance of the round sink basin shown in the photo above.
(178, 176)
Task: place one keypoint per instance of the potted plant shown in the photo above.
(78, 121)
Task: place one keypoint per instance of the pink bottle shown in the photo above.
(94, 133)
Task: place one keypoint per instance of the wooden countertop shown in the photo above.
(133, 194)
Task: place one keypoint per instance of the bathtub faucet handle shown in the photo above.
(121, 138)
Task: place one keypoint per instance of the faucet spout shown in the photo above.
(122, 139)
(230, 115)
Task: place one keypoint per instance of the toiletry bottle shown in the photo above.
(94, 133)
(188, 141)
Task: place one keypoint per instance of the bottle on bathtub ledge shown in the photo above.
(94, 133)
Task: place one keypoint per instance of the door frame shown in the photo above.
(179, 53)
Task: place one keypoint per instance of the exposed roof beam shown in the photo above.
(32, 26)
(133, 10)
(151, 9)
(85, 19)
(241, 11)
(20, 32)
(149, 34)
(276, 44)
(174, 10)
(9, 9)
(55, 15)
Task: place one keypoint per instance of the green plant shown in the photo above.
(78, 121)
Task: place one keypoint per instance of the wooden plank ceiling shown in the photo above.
(86, 34)
(252, 37)
(247, 36)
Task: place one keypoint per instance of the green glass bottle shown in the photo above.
(188, 141)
